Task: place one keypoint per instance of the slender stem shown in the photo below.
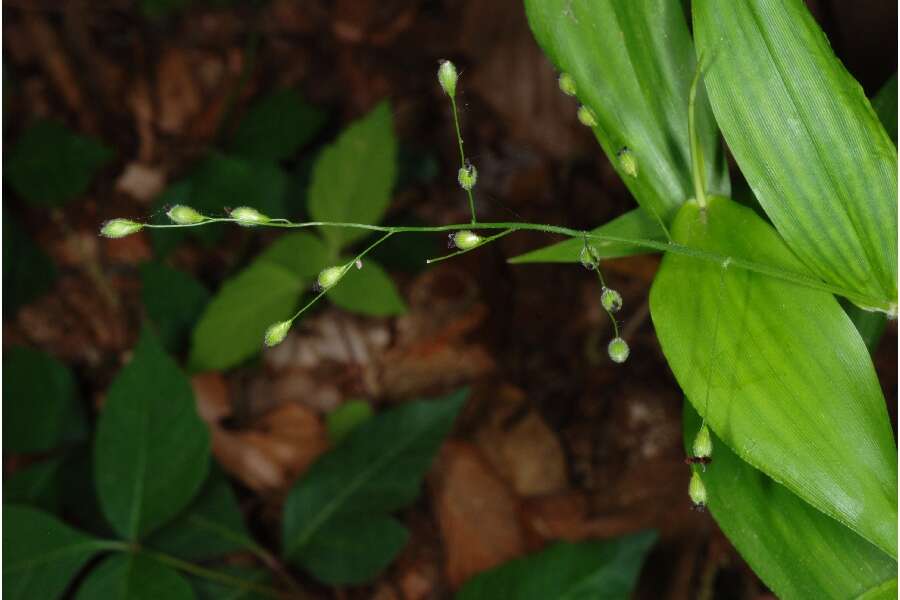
(462, 154)
(673, 247)
(486, 240)
(612, 317)
(213, 575)
(698, 169)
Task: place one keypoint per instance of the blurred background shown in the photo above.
(121, 109)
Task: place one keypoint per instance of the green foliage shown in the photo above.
(27, 271)
(36, 485)
(206, 589)
(353, 178)
(211, 526)
(807, 140)
(41, 554)
(636, 223)
(600, 569)
(632, 63)
(135, 577)
(173, 300)
(782, 366)
(50, 165)
(223, 181)
(347, 417)
(277, 126)
(151, 451)
(40, 403)
(368, 291)
(885, 105)
(336, 518)
(232, 326)
(796, 550)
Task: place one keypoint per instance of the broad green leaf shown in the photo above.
(27, 271)
(135, 577)
(353, 178)
(277, 126)
(798, 551)
(885, 591)
(807, 140)
(368, 291)
(232, 326)
(78, 492)
(151, 451)
(50, 165)
(633, 61)
(605, 570)
(791, 388)
(871, 325)
(36, 485)
(636, 223)
(206, 589)
(335, 518)
(347, 417)
(211, 526)
(222, 182)
(885, 105)
(173, 300)
(40, 402)
(41, 554)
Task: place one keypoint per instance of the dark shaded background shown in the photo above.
(572, 445)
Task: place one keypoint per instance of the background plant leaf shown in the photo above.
(798, 551)
(368, 291)
(885, 591)
(206, 589)
(50, 165)
(41, 554)
(40, 402)
(36, 485)
(173, 300)
(353, 178)
(277, 126)
(335, 523)
(135, 577)
(885, 105)
(597, 569)
(636, 223)
(783, 365)
(27, 271)
(807, 140)
(211, 526)
(151, 450)
(633, 62)
(232, 325)
(347, 417)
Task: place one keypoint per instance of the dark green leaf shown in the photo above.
(40, 402)
(79, 492)
(222, 182)
(232, 326)
(885, 591)
(135, 577)
(353, 178)
(796, 550)
(51, 165)
(41, 554)
(885, 105)
(277, 126)
(368, 291)
(598, 570)
(347, 417)
(633, 224)
(807, 140)
(207, 589)
(376, 470)
(790, 385)
(151, 451)
(36, 485)
(27, 271)
(211, 526)
(173, 301)
(633, 61)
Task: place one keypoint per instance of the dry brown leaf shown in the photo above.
(177, 90)
(477, 513)
(141, 181)
(522, 447)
